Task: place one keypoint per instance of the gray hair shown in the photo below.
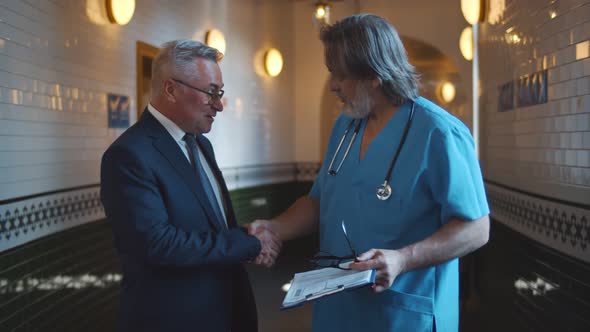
(177, 57)
(367, 47)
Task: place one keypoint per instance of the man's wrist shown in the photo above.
(405, 255)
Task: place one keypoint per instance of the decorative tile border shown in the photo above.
(26, 219)
(31, 218)
(556, 224)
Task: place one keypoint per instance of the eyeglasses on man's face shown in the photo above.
(214, 94)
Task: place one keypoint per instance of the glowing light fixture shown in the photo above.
(273, 62)
(322, 12)
(120, 11)
(466, 43)
(473, 10)
(215, 39)
(447, 92)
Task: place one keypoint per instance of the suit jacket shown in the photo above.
(181, 268)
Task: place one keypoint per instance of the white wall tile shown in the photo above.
(562, 140)
(583, 158)
(583, 86)
(56, 68)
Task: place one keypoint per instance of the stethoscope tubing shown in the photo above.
(384, 190)
(401, 144)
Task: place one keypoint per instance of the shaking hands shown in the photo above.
(271, 244)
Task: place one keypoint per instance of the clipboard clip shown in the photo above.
(312, 296)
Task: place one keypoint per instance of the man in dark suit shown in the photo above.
(173, 223)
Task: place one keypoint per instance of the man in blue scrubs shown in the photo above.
(436, 212)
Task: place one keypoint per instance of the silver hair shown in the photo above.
(178, 56)
(367, 47)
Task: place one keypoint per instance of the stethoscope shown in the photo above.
(384, 189)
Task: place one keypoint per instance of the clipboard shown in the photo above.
(312, 285)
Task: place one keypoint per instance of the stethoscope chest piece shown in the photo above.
(384, 191)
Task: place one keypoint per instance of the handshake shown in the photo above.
(269, 240)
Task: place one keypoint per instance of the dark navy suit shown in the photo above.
(181, 266)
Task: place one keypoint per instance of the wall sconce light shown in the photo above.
(447, 92)
(466, 43)
(120, 11)
(215, 39)
(473, 10)
(322, 13)
(273, 62)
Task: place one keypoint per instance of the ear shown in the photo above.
(375, 83)
(169, 90)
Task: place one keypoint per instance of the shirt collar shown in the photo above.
(172, 128)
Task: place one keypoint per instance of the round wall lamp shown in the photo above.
(473, 10)
(447, 92)
(273, 62)
(215, 39)
(322, 12)
(466, 43)
(120, 11)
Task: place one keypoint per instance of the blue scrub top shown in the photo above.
(436, 177)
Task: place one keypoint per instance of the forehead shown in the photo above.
(207, 72)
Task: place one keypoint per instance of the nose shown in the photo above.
(216, 104)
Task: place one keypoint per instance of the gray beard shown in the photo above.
(361, 106)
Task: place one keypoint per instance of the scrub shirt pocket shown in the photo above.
(382, 216)
(408, 312)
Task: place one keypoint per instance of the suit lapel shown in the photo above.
(228, 208)
(166, 145)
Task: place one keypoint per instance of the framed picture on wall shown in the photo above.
(118, 110)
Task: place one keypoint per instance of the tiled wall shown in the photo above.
(57, 66)
(536, 162)
(525, 286)
(538, 155)
(544, 148)
(29, 218)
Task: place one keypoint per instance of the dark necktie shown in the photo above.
(193, 152)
